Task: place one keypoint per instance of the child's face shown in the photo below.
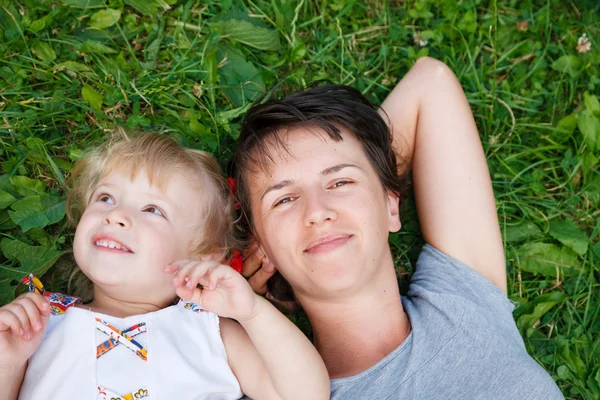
(132, 230)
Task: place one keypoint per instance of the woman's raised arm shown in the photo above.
(434, 129)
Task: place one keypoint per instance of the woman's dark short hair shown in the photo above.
(321, 109)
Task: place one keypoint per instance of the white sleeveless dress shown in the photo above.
(173, 353)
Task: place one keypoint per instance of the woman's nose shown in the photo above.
(318, 209)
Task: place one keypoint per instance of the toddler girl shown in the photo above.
(154, 220)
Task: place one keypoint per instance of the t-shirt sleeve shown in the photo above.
(439, 273)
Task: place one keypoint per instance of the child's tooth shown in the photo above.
(111, 246)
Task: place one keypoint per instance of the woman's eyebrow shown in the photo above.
(338, 168)
(277, 186)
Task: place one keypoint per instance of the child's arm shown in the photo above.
(22, 325)
(270, 357)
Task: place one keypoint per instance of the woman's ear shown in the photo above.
(393, 210)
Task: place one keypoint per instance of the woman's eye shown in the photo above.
(154, 210)
(284, 201)
(339, 183)
(106, 198)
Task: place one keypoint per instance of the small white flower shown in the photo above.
(419, 40)
(583, 44)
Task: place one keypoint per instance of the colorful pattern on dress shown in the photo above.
(59, 303)
(105, 394)
(112, 342)
(188, 305)
(118, 335)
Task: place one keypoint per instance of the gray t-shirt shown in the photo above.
(464, 344)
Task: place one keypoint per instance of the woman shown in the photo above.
(319, 182)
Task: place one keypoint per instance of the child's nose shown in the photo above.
(117, 216)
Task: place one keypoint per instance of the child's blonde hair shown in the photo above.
(162, 158)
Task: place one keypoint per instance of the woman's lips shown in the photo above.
(327, 244)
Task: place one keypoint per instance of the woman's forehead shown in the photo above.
(303, 151)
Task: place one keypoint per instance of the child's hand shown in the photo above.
(224, 291)
(22, 326)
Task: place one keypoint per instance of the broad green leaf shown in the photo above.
(85, 3)
(43, 50)
(7, 186)
(146, 7)
(6, 199)
(5, 222)
(569, 234)
(591, 102)
(592, 190)
(589, 125)
(548, 259)
(563, 372)
(38, 25)
(40, 236)
(569, 64)
(29, 213)
(26, 186)
(574, 363)
(568, 124)
(71, 66)
(522, 231)
(54, 208)
(105, 18)
(199, 128)
(240, 80)
(249, 34)
(541, 305)
(91, 46)
(209, 64)
(92, 97)
(31, 259)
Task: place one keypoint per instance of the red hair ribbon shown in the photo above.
(236, 261)
(233, 188)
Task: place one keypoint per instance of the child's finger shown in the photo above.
(8, 320)
(185, 292)
(182, 272)
(33, 313)
(41, 302)
(215, 275)
(19, 312)
(200, 271)
(174, 266)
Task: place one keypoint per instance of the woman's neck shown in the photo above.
(355, 332)
(109, 304)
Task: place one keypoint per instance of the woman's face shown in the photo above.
(322, 214)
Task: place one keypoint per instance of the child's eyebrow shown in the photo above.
(161, 198)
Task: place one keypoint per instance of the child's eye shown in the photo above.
(105, 198)
(154, 210)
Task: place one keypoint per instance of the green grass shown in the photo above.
(71, 71)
